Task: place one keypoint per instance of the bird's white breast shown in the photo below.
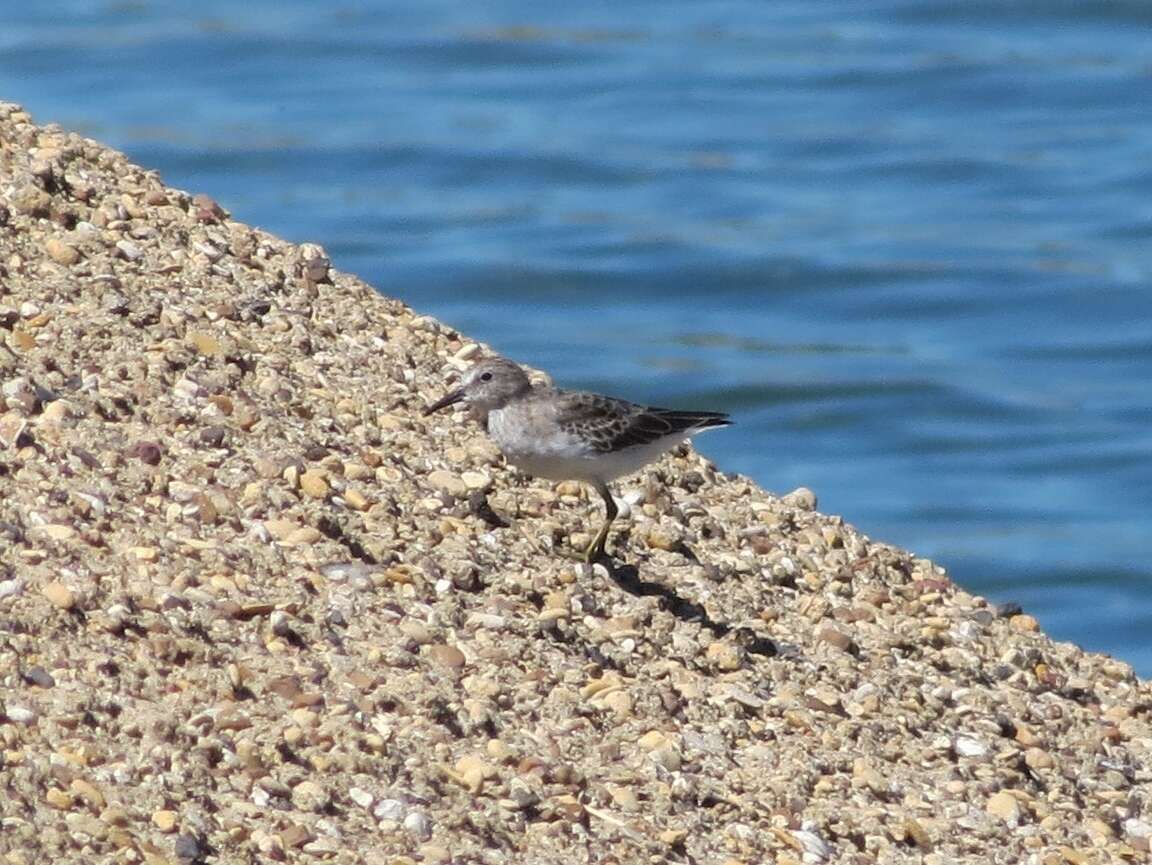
(531, 440)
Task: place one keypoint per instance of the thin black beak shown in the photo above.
(448, 399)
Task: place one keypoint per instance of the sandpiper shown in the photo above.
(571, 435)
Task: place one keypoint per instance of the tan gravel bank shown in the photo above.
(253, 607)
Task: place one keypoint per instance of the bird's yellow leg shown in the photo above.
(595, 551)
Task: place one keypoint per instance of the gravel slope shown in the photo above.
(254, 608)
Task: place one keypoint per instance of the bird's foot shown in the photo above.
(595, 551)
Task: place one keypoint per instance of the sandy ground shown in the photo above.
(254, 607)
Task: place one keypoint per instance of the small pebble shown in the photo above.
(20, 715)
(1038, 759)
(361, 797)
(966, 746)
(449, 656)
(833, 636)
(190, 849)
(61, 252)
(58, 799)
(128, 250)
(314, 485)
(475, 480)
(205, 344)
(356, 500)
(393, 810)
(148, 452)
(724, 655)
(59, 595)
(801, 498)
(448, 482)
(1005, 806)
(40, 677)
(165, 820)
(417, 824)
(1024, 623)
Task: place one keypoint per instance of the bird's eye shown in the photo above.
(486, 376)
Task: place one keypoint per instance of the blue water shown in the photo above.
(907, 244)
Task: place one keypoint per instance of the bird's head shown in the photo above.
(489, 385)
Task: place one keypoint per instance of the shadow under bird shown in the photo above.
(571, 435)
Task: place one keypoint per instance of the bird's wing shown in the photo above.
(609, 424)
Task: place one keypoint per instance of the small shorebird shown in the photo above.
(571, 435)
